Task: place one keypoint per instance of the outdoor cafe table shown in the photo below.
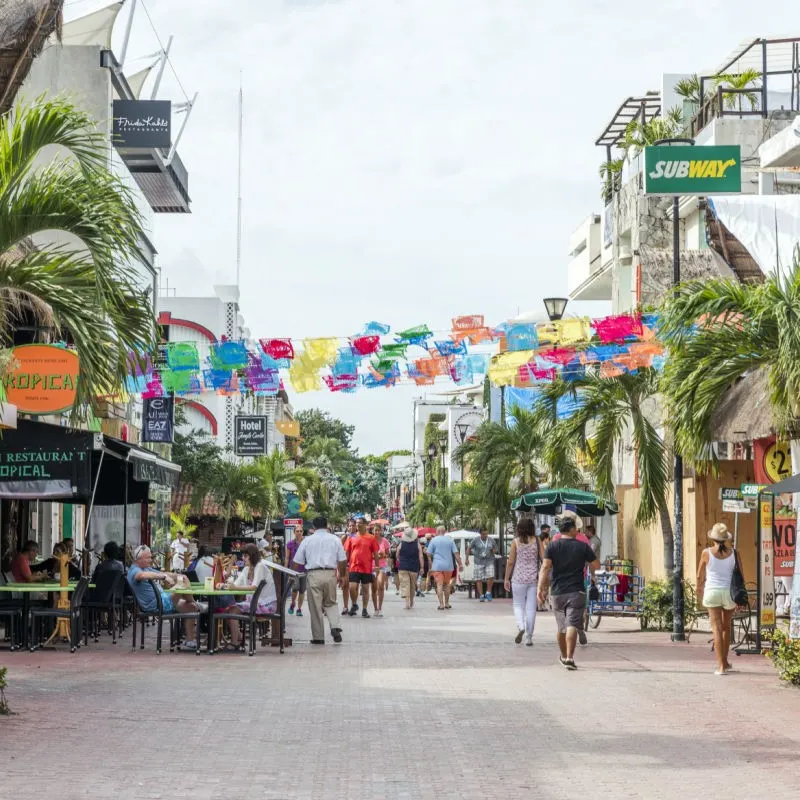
(212, 595)
(26, 590)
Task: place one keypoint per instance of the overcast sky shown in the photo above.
(406, 160)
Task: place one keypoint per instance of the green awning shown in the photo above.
(552, 501)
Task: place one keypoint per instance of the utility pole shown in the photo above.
(678, 610)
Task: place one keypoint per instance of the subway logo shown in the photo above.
(694, 168)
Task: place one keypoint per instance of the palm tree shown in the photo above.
(275, 477)
(639, 135)
(609, 408)
(69, 237)
(719, 330)
(330, 452)
(434, 507)
(740, 80)
(179, 524)
(232, 486)
(610, 172)
(689, 88)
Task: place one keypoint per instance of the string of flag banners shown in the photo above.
(526, 354)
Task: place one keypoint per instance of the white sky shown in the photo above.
(405, 160)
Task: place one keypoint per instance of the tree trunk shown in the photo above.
(669, 543)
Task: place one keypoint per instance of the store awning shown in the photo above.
(785, 486)
(52, 462)
(552, 501)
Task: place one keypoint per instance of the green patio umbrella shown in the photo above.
(550, 501)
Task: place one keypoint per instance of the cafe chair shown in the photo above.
(13, 623)
(248, 620)
(105, 598)
(158, 616)
(73, 614)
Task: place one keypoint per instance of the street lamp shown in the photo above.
(430, 482)
(555, 307)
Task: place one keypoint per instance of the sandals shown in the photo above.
(448, 606)
(440, 608)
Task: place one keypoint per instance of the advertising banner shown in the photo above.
(158, 419)
(250, 436)
(692, 169)
(767, 574)
(142, 123)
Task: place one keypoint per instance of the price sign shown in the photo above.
(766, 566)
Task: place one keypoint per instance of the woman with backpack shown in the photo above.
(714, 575)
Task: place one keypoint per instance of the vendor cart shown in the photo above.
(617, 591)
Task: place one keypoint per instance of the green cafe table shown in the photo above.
(199, 590)
(26, 590)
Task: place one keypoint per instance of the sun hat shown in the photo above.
(410, 535)
(719, 532)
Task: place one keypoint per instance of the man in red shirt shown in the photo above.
(362, 556)
(21, 564)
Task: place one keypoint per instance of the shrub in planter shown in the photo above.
(785, 656)
(657, 606)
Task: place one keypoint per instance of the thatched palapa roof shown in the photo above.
(745, 413)
(25, 26)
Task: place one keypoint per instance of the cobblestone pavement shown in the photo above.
(416, 704)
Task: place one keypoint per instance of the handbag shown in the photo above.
(738, 588)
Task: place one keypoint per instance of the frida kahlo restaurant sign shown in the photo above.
(43, 379)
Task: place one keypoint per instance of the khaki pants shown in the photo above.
(322, 595)
(408, 584)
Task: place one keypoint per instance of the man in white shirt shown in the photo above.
(324, 558)
(594, 540)
(180, 546)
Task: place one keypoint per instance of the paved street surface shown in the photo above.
(417, 704)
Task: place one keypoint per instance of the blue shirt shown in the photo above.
(441, 549)
(145, 595)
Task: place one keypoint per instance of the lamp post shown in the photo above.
(431, 481)
(555, 307)
(678, 630)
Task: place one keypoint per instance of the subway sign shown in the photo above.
(692, 169)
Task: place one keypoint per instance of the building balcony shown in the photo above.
(589, 270)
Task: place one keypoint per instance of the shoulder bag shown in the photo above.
(738, 588)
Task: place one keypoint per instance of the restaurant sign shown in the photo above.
(142, 123)
(43, 379)
(692, 169)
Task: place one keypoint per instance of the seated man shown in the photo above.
(111, 563)
(52, 566)
(138, 576)
(21, 564)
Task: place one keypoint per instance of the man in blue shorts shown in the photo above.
(140, 573)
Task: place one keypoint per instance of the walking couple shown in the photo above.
(528, 575)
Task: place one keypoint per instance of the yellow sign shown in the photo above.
(766, 513)
(778, 461)
(288, 427)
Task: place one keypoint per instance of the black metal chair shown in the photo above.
(105, 598)
(11, 612)
(73, 614)
(249, 620)
(158, 616)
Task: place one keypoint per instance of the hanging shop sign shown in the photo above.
(766, 565)
(156, 472)
(250, 436)
(733, 501)
(692, 169)
(142, 123)
(292, 522)
(158, 419)
(43, 379)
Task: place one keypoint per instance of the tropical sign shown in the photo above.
(43, 379)
(692, 169)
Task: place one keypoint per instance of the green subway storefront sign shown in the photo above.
(692, 169)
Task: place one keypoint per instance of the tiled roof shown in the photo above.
(182, 496)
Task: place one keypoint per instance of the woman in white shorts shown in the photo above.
(714, 586)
